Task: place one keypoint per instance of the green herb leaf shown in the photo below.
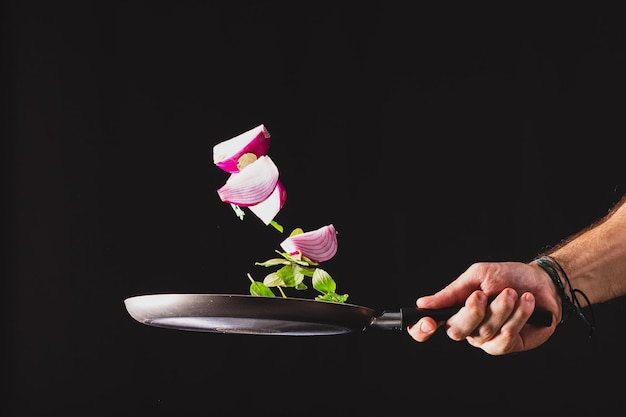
(306, 271)
(323, 282)
(257, 288)
(287, 275)
(335, 298)
(276, 226)
(297, 258)
(273, 280)
(273, 262)
(238, 211)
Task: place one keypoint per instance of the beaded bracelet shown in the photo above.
(570, 304)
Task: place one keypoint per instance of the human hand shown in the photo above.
(498, 326)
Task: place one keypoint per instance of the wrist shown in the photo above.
(570, 296)
(549, 289)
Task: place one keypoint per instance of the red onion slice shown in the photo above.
(251, 144)
(252, 185)
(318, 245)
(267, 209)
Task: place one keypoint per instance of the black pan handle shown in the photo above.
(410, 315)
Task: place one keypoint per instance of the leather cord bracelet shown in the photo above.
(570, 303)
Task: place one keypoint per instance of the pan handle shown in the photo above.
(398, 320)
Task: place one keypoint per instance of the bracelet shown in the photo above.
(570, 304)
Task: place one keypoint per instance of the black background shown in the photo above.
(430, 137)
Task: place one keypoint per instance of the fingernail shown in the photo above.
(426, 327)
(511, 294)
(482, 297)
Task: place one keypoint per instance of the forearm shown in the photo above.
(595, 259)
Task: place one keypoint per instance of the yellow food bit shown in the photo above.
(245, 160)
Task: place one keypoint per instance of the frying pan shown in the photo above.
(248, 314)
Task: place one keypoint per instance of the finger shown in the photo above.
(498, 313)
(423, 329)
(457, 291)
(523, 309)
(511, 336)
(451, 295)
(468, 318)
